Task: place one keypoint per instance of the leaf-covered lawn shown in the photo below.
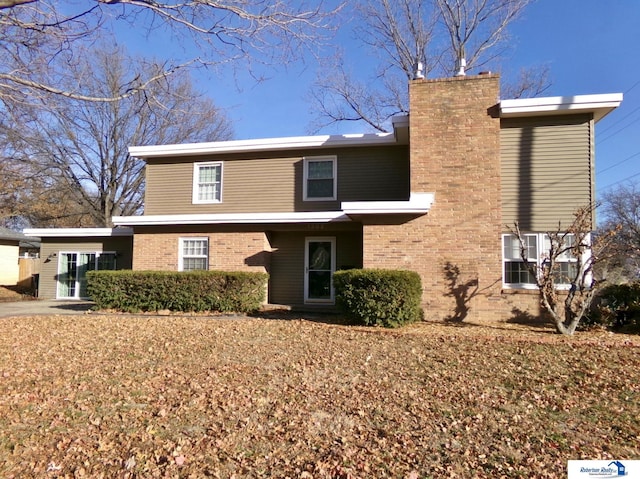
(117, 396)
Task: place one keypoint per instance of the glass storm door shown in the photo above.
(320, 261)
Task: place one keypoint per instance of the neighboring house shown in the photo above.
(434, 196)
(13, 246)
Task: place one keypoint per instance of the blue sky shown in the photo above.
(589, 45)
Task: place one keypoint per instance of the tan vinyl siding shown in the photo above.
(286, 284)
(49, 264)
(286, 278)
(546, 167)
(274, 183)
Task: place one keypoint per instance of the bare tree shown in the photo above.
(434, 34)
(78, 149)
(565, 278)
(40, 38)
(477, 27)
(621, 211)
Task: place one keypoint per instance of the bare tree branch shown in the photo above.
(403, 33)
(79, 148)
(38, 41)
(621, 211)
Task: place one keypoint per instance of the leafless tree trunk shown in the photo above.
(405, 33)
(79, 149)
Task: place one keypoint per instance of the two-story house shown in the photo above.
(435, 196)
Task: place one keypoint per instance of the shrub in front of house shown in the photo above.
(379, 297)
(617, 307)
(197, 291)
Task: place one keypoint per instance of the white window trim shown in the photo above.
(181, 250)
(541, 255)
(196, 183)
(307, 160)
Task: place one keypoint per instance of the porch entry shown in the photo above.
(72, 271)
(320, 264)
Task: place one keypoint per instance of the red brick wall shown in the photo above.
(231, 251)
(456, 247)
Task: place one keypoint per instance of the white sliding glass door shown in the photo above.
(72, 271)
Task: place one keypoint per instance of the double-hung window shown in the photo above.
(516, 271)
(207, 182)
(320, 178)
(566, 264)
(517, 274)
(194, 254)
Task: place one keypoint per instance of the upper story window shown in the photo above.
(320, 178)
(194, 254)
(207, 182)
(516, 274)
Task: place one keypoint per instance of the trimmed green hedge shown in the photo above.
(134, 291)
(378, 297)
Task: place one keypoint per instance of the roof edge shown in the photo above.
(600, 105)
(78, 232)
(262, 144)
(232, 218)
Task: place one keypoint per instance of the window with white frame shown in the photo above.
(517, 274)
(207, 182)
(320, 178)
(566, 264)
(194, 254)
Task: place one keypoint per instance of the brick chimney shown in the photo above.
(454, 153)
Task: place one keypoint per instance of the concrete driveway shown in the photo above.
(40, 307)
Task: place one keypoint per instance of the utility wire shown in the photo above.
(617, 182)
(616, 132)
(619, 121)
(634, 85)
(618, 163)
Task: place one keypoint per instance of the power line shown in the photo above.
(616, 132)
(618, 163)
(634, 85)
(619, 121)
(617, 182)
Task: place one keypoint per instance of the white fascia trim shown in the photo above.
(419, 203)
(599, 105)
(400, 121)
(77, 232)
(264, 144)
(232, 218)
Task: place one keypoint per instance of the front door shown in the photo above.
(320, 264)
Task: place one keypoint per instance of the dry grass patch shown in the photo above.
(120, 396)
(9, 294)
